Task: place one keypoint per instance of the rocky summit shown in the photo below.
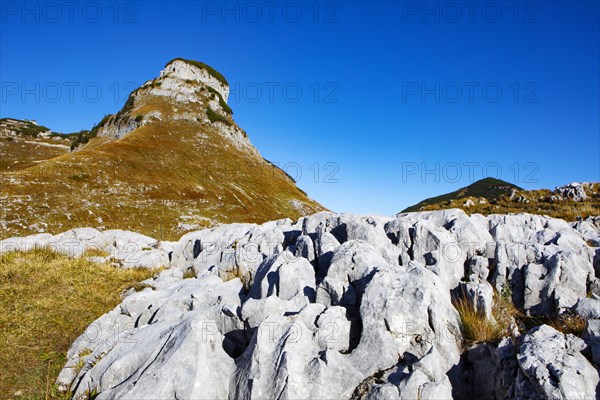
(172, 160)
(347, 306)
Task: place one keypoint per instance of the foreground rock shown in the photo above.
(341, 306)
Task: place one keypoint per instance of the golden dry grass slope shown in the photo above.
(46, 301)
(172, 160)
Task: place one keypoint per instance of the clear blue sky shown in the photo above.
(388, 89)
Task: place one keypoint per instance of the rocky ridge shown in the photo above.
(343, 306)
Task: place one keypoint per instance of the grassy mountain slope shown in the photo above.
(23, 144)
(176, 171)
(488, 188)
(492, 196)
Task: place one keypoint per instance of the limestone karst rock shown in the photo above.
(324, 307)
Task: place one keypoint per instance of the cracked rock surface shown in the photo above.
(341, 306)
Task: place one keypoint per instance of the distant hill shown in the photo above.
(494, 196)
(170, 161)
(488, 188)
(24, 144)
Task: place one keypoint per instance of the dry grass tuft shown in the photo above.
(46, 301)
(505, 313)
(573, 324)
(189, 273)
(565, 323)
(95, 252)
(476, 328)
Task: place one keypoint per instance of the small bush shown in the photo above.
(222, 102)
(216, 117)
(139, 118)
(84, 136)
(127, 107)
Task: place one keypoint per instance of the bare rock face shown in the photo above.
(574, 191)
(551, 366)
(182, 70)
(341, 306)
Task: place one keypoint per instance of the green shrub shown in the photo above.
(225, 106)
(127, 107)
(84, 136)
(222, 102)
(216, 117)
(155, 83)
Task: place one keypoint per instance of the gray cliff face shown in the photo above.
(343, 306)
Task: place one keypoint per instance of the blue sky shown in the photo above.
(372, 106)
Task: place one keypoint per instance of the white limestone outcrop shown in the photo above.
(342, 306)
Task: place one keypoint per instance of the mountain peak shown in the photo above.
(184, 90)
(171, 160)
(487, 188)
(191, 70)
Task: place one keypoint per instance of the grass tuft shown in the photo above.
(564, 323)
(189, 273)
(476, 328)
(573, 324)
